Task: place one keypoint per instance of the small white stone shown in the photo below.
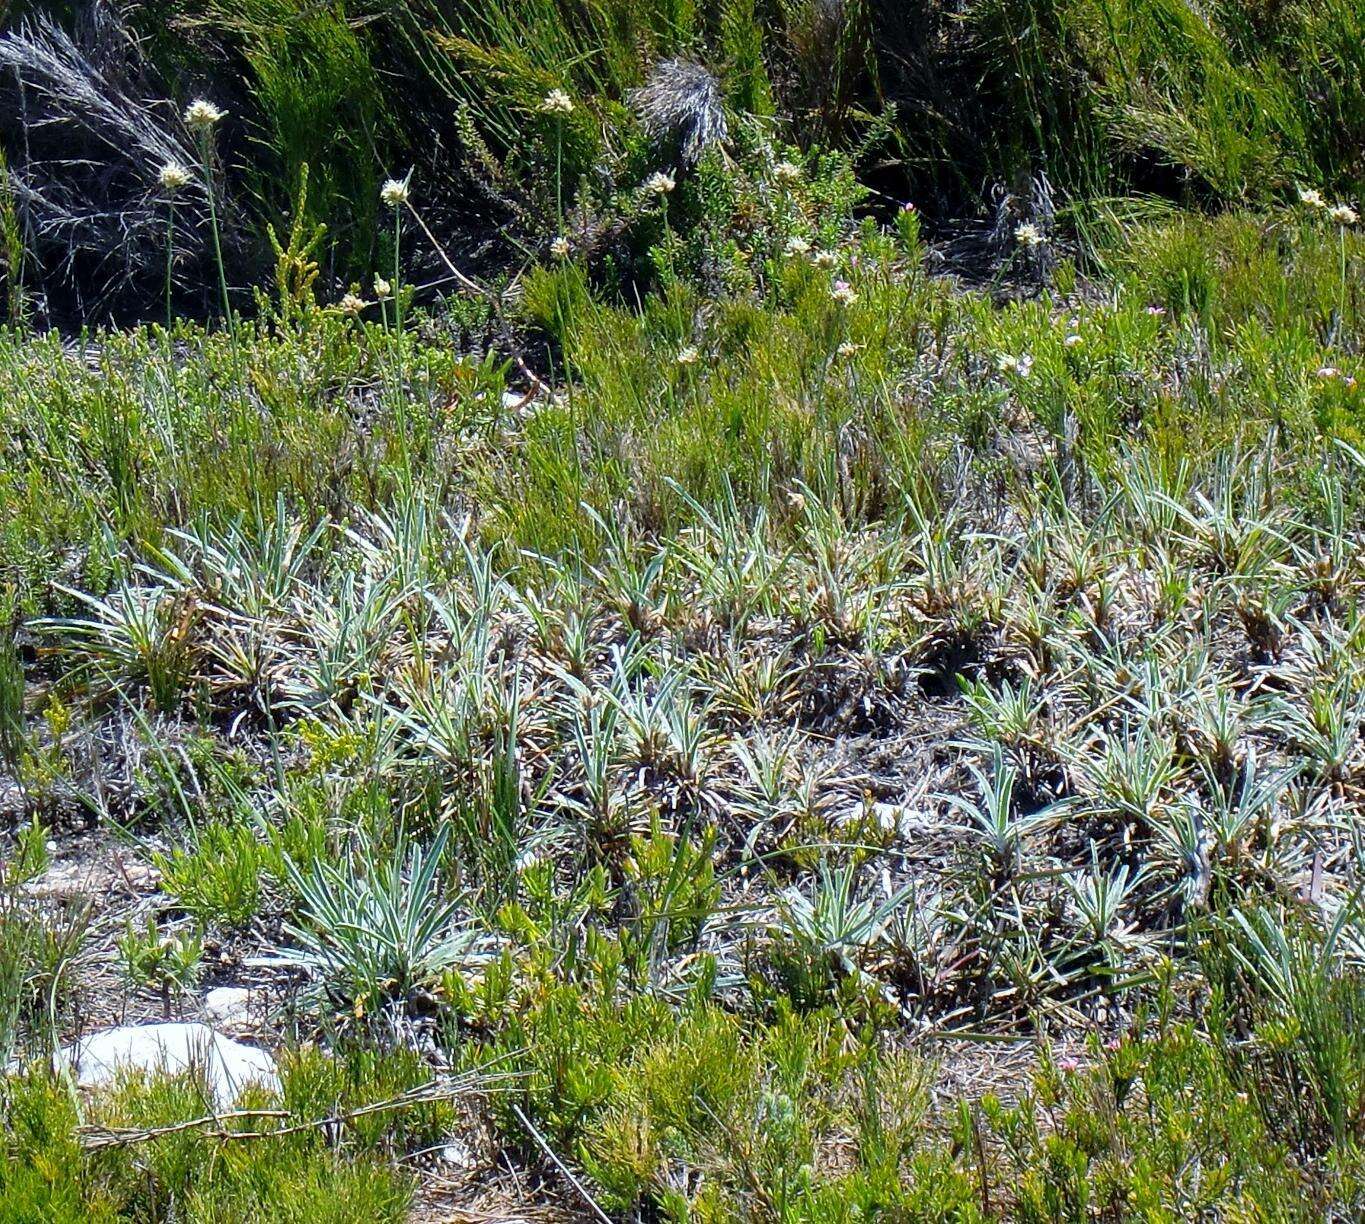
(228, 1004)
(228, 1066)
(457, 1153)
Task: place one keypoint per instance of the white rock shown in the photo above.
(228, 1004)
(228, 1066)
(457, 1153)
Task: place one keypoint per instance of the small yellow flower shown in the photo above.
(172, 177)
(200, 115)
(556, 102)
(394, 192)
(659, 184)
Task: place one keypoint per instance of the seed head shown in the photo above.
(172, 177)
(556, 102)
(659, 184)
(201, 115)
(394, 192)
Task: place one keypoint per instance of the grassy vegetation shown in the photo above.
(744, 700)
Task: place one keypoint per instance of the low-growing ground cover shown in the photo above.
(862, 745)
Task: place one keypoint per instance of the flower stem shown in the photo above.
(213, 226)
(1341, 283)
(170, 257)
(397, 268)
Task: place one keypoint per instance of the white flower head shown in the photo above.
(1326, 372)
(394, 192)
(1073, 340)
(1008, 363)
(172, 177)
(559, 248)
(1029, 235)
(556, 102)
(843, 293)
(1311, 197)
(659, 184)
(201, 115)
(849, 349)
(824, 259)
(688, 356)
(796, 245)
(1343, 214)
(382, 288)
(353, 304)
(787, 172)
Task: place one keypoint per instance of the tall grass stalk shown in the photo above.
(206, 159)
(170, 260)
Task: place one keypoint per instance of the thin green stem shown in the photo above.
(170, 258)
(397, 267)
(205, 153)
(1341, 283)
(398, 344)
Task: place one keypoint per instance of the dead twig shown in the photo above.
(578, 1186)
(95, 1138)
